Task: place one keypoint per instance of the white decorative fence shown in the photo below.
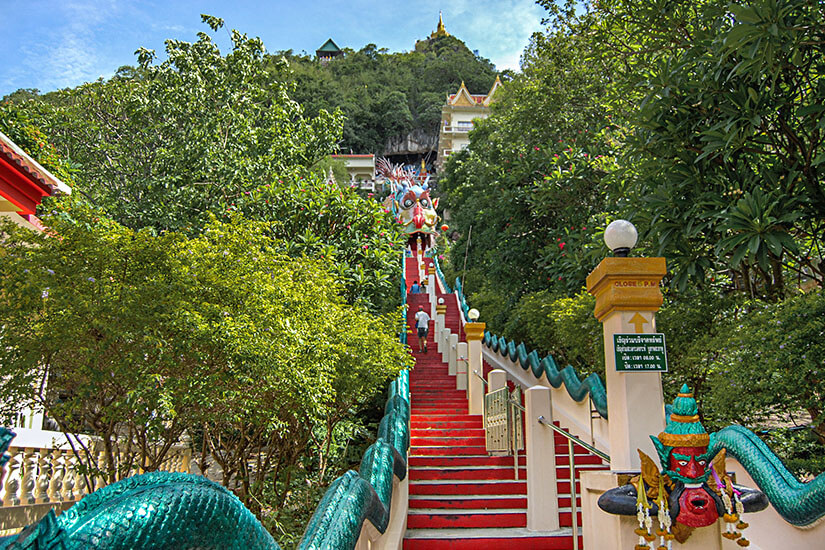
(39, 478)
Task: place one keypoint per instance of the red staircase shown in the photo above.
(459, 496)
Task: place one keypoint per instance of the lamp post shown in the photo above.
(620, 236)
(627, 299)
(440, 311)
(475, 385)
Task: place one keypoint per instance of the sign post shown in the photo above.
(627, 299)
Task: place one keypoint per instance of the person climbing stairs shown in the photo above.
(459, 497)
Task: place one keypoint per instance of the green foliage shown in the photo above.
(165, 144)
(705, 120)
(386, 95)
(531, 181)
(725, 157)
(138, 338)
(696, 324)
(168, 145)
(771, 365)
(18, 126)
(800, 451)
(751, 363)
(355, 236)
(562, 327)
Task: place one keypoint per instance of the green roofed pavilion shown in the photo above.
(329, 50)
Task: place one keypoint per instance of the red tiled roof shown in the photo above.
(23, 182)
(352, 156)
(479, 98)
(25, 167)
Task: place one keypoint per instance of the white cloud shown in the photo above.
(500, 30)
(71, 53)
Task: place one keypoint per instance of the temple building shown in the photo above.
(23, 184)
(360, 168)
(457, 118)
(440, 30)
(328, 51)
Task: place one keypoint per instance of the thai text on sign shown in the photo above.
(640, 352)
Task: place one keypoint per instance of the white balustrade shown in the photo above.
(37, 479)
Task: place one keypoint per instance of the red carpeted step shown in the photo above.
(448, 451)
(440, 519)
(447, 432)
(419, 425)
(467, 473)
(469, 488)
(447, 441)
(501, 539)
(469, 502)
(446, 418)
(480, 460)
(440, 411)
(459, 496)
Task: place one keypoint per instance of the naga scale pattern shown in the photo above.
(801, 504)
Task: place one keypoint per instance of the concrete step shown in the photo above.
(489, 539)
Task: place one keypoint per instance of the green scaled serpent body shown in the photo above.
(157, 510)
(801, 504)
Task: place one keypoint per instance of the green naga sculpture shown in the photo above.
(692, 490)
(154, 510)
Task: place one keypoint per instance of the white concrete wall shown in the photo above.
(768, 530)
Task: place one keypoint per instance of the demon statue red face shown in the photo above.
(692, 490)
(411, 204)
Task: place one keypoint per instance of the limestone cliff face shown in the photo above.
(416, 142)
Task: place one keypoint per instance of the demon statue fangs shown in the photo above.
(411, 203)
(692, 490)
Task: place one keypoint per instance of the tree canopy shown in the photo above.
(701, 122)
(385, 95)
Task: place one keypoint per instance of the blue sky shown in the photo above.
(51, 44)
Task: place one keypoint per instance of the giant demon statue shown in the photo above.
(692, 490)
(411, 203)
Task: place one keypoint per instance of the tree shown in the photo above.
(385, 95)
(139, 338)
(724, 164)
(163, 145)
(532, 181)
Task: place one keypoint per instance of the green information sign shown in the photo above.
(640, 352)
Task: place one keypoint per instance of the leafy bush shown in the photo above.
(772, 365)
(139, 338)
(563, 327)
(696, 324)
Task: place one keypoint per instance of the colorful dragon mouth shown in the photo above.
(410, 201)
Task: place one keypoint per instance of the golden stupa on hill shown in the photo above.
(440, 30)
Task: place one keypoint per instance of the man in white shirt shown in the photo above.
(422, 323)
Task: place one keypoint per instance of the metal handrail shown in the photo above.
(573, 438)
(515, 403)
(482, 378)
(571, 465)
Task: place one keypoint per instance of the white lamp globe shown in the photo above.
(473, 315)
(441, 301)
(620, 236)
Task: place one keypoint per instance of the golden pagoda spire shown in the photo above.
(440, 30)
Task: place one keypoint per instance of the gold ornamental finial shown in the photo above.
(440, 30)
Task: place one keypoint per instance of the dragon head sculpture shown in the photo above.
(692, 489)
(411, 203)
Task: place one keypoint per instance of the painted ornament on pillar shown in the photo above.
(691, 491)
(411, 203)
